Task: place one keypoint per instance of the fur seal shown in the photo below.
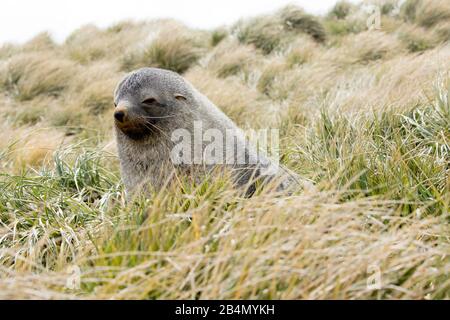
(159, 117)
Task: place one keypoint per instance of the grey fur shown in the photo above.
(144, 152)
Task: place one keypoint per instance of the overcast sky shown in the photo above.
(20, 20)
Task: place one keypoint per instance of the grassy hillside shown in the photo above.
(365, 114)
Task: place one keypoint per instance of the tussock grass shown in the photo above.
(341, 10)
(433, 12)
(232, 58)
(405, 141)
(426, 13)
(231, 95)
(30, 75)
(270, 74)
(29, 148)
(274, 32)
(369, 46)
(262, 32)
(363, 114)
(41, 42)
(97, 97)
(7, 50)
(218, 35)
(300, 52)
(29, 112)
(416, 39)
(89, 43)
(442, 32)
(297, 20)
(343, 27)
(175, 50)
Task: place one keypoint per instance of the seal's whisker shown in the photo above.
(152, 149)
(150, 117)
(149, 126)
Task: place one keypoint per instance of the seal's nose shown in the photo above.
(120, 114)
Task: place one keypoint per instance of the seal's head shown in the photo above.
(148, 97)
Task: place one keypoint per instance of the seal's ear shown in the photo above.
(180, 97)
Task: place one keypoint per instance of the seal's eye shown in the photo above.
(115, 105)
(180, 97)
(149, 101)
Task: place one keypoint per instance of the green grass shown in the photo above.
(208, 241)
(365, 115)
(403, 157)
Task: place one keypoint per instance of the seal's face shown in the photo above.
(147, 98)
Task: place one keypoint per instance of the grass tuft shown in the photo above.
(30, 75)
(297, 20)
(341, 10)
(363, 114)
(174, 50)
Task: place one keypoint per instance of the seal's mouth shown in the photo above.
(131, 124)
(135, 131)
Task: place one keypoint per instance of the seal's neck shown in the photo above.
(142, 160)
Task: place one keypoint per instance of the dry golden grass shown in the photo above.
(171, 46)
(32, 74)
(31, 147)
(364, 114)
(366, 47)
(42, 42)
(301, 51)
(430, 13)
(89, 43)
(416, 39)
(231, 58)
(312, 247)
(232, 96)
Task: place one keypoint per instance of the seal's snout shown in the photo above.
(120, 114)
(128, 120)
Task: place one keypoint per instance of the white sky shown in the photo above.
(20, 20)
